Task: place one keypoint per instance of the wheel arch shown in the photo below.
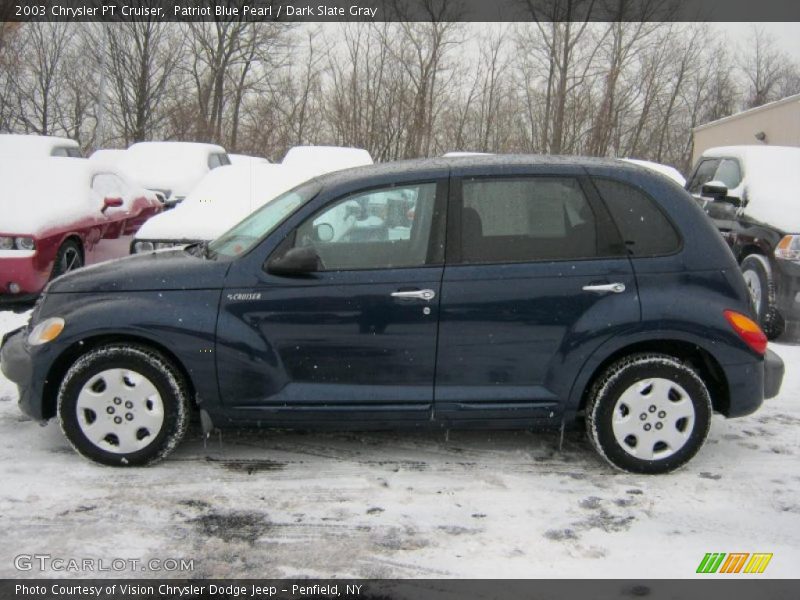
(68, 357)
(698, 357)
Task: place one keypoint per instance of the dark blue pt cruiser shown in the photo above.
(480, 292)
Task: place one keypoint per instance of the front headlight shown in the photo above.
(142, 246)
(17, 243)
(25, 243)
(788, 248)
(46, 331)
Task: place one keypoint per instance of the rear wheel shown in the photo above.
(68, 258)
(648, 413)
(757, 274)
(123, 405)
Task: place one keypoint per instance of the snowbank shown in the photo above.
(770, 183)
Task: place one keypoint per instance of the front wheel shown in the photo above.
(68, 258)
(123, 405)
(757, 274)
(648, 413)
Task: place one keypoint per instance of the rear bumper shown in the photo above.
(751, 383)
(773, 374)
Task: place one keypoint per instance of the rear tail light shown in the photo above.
(748, 330)
(788, 248)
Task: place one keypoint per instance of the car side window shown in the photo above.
(525, 220)
(107, 185)
(729, 173)
(703, 174)
(380, 229)
(644, 227)
(218, 160)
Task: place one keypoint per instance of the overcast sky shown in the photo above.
(787, 35)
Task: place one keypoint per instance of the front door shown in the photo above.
(356, 340)
(536, 277)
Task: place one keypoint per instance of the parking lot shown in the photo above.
(388, 505)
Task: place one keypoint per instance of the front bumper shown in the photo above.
(17, 365)
(26, 272)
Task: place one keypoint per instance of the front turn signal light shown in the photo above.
(46, 331)
(748, 330)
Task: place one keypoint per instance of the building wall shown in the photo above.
(780, 121)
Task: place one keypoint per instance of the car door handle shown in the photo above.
(617, 288)
(420, 294)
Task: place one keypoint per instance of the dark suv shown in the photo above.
(517, 292)
(748, 191)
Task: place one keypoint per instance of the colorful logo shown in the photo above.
(734, 562)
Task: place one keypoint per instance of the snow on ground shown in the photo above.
(391, 505)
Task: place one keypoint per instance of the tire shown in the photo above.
(757, 273)
(648, 413)
(123, 405)
(68, 258)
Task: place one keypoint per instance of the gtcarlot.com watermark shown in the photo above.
(60, 564)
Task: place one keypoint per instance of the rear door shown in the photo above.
(536, 277)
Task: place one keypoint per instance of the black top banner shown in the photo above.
(400, 10)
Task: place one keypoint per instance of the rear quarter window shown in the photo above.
(643, 225)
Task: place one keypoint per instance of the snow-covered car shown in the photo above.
(324, 159)
(55, 213)
(37, 146)
(228, 194)
(670, 172)
(750, 192)
(171, 169)
(223, 197)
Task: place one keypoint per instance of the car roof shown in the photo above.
(439, 166)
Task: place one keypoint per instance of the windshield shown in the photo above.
(242, 237)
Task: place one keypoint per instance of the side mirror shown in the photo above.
(714, 189)
(324, 232)
(111, 203)
(297, 261)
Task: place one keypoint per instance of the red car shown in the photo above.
(58, 214)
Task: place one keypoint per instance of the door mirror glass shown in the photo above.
(296, 261)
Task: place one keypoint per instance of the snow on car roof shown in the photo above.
(670, 172)
(223, 197)
(108, 156)
(324, 159)
(241, 159)
(770, 174)
(39, 194)
(173, 166)
(31, 146)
